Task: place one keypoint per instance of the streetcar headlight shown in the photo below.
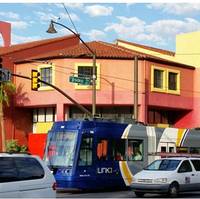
(160, 180)
(66, 172)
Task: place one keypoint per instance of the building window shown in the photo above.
(173, 82)
(85, 70)
(46, 75)
(158, 78)
(165, 80)
(44, 115)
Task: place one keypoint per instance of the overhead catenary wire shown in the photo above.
(70, 18)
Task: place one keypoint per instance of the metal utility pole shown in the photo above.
(136, 88)
(60, 91)
(52, 29)
(94, 86)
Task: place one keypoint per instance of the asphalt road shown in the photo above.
(120, 194)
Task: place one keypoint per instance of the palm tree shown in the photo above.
(6, 90)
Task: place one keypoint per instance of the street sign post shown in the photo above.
(80, 80)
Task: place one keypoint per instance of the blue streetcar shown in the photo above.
(97, 154)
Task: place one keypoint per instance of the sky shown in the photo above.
(149, 23)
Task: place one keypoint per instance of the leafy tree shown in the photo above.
(12, 146)
(6, 90)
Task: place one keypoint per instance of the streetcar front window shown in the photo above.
(60, 149)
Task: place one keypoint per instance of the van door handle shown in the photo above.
(193, 174)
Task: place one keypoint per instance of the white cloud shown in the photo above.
(170, 28)
(73, 16)
(44, 17)
(10, 15)
(75, 5)
(17, 39)
(96, 35)
(177, 8)
(19, 24)
(160, 31)
(71, 5)
(98, 10)
(127, 27)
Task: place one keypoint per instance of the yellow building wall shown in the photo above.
(43, 127)
(188, 48)
(149, 52)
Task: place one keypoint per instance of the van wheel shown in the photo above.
(139, 194)
(174, 189)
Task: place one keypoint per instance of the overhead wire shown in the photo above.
(70, 17)
(124, 79)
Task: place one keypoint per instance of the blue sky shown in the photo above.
(152, 24)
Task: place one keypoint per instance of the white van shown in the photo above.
(168, 175)
(25, 176)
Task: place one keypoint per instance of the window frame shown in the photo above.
(163, 89)
(35, 114)
(86, 148)
(177, 91)
(43, 66)
(165, 80)
(85, 87)
(138, 147)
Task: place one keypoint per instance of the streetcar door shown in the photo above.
(85, 161)
(109, 153)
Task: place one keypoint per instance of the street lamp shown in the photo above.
(52, 29)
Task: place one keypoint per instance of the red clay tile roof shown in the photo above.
(102, 50)
(167, 52)
(18, 47)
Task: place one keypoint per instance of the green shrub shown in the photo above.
(12, 146)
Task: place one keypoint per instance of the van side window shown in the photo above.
(28, 169)
(135, 151)
(8, 171)
(19, 168)
(185, 167)
(196, 164)
(85, 156)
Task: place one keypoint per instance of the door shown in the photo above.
(186, 176)
(196, 174)
(85, 168)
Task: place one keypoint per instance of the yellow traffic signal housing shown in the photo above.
(35, 82)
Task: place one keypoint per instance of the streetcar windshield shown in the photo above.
(60, 149)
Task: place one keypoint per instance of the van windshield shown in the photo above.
(60, 149)
(163, 165)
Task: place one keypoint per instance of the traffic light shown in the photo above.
(35, 82)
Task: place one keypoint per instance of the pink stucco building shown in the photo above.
(165, 86)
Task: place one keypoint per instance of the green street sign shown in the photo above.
(80, 80)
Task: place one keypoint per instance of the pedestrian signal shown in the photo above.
(35, 81)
